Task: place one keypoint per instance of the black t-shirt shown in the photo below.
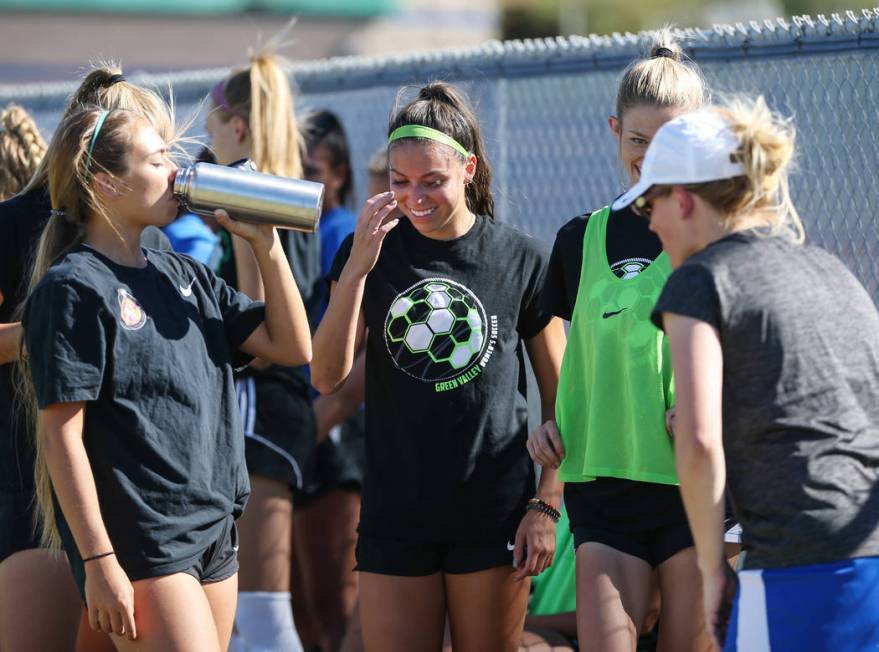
(446, 415)
(22, 219)
(631, 247)
(151, 350)
(800, 342)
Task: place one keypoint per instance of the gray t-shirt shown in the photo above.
(800, 340)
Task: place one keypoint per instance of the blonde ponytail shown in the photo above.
(260, 94)
(766, 151)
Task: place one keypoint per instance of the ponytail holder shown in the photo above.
(420, 131)
(57, 213)
(98, 124)
(663, 53)
(115, 79)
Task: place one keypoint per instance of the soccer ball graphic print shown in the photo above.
(435, 330)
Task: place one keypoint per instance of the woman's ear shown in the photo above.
(105, 186)
(242, 129)
(470, 167)
(685, 200)
(614, 123)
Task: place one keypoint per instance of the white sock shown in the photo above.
(264, 621)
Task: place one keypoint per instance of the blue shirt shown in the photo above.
(335, 225)
(191, 236)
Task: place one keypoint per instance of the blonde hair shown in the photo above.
(766, 150)
(665, 78)
(105, 86)
(70, 173)
(260, 95)
(21, 149)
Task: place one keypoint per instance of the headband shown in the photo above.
(420, 131)
(98, 124)
(218, 95)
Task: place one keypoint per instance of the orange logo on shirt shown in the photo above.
(131, 314)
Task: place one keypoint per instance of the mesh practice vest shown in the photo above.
(616, 378)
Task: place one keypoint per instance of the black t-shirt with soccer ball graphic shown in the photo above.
(446, 414)
(151, 350)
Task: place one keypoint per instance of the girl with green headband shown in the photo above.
(452, 523)
(129, 376)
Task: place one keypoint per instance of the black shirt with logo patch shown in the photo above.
(151, 350)
(22, 219)
(446, 413)
(631, 247)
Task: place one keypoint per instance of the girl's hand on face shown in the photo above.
(535, 545)
(109, 597)
(260, 236)
(372, 227)
(545, 445)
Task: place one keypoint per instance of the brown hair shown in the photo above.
(260, 95)
(665, 78)
(766, 150)
(21, 149)
(443, 107)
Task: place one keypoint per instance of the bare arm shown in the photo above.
(545, 350)
(698, 367)
(341, 331)
(10, 342)
(333, 409)
(697, 358)
(284, 337)
(535, 538)
(109, 594)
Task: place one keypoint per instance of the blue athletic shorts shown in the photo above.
(817, 608)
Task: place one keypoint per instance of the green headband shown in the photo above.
(420, 131)
(98, 124)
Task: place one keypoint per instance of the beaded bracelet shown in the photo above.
(93, 557)
(544, 508)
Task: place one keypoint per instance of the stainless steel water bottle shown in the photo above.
(250, 196)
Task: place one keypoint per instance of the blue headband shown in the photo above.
(98, 124)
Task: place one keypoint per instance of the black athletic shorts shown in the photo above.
(389, 557)
(337, 462)
(279, 428)
(17, 531)
(643, 519)
(219, 561)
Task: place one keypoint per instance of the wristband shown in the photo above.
(544, 508)
(93, 557)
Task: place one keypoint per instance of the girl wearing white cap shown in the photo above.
(609, 439)
(775, 349)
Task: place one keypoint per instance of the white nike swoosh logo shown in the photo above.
(511, 546)
(186, 291)
(234, 548)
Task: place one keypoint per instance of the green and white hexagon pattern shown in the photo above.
(435, 330)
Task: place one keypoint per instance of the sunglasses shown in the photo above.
(643, 205)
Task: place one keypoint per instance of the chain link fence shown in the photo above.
(544, 105)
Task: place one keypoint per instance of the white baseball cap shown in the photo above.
(693, 148)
